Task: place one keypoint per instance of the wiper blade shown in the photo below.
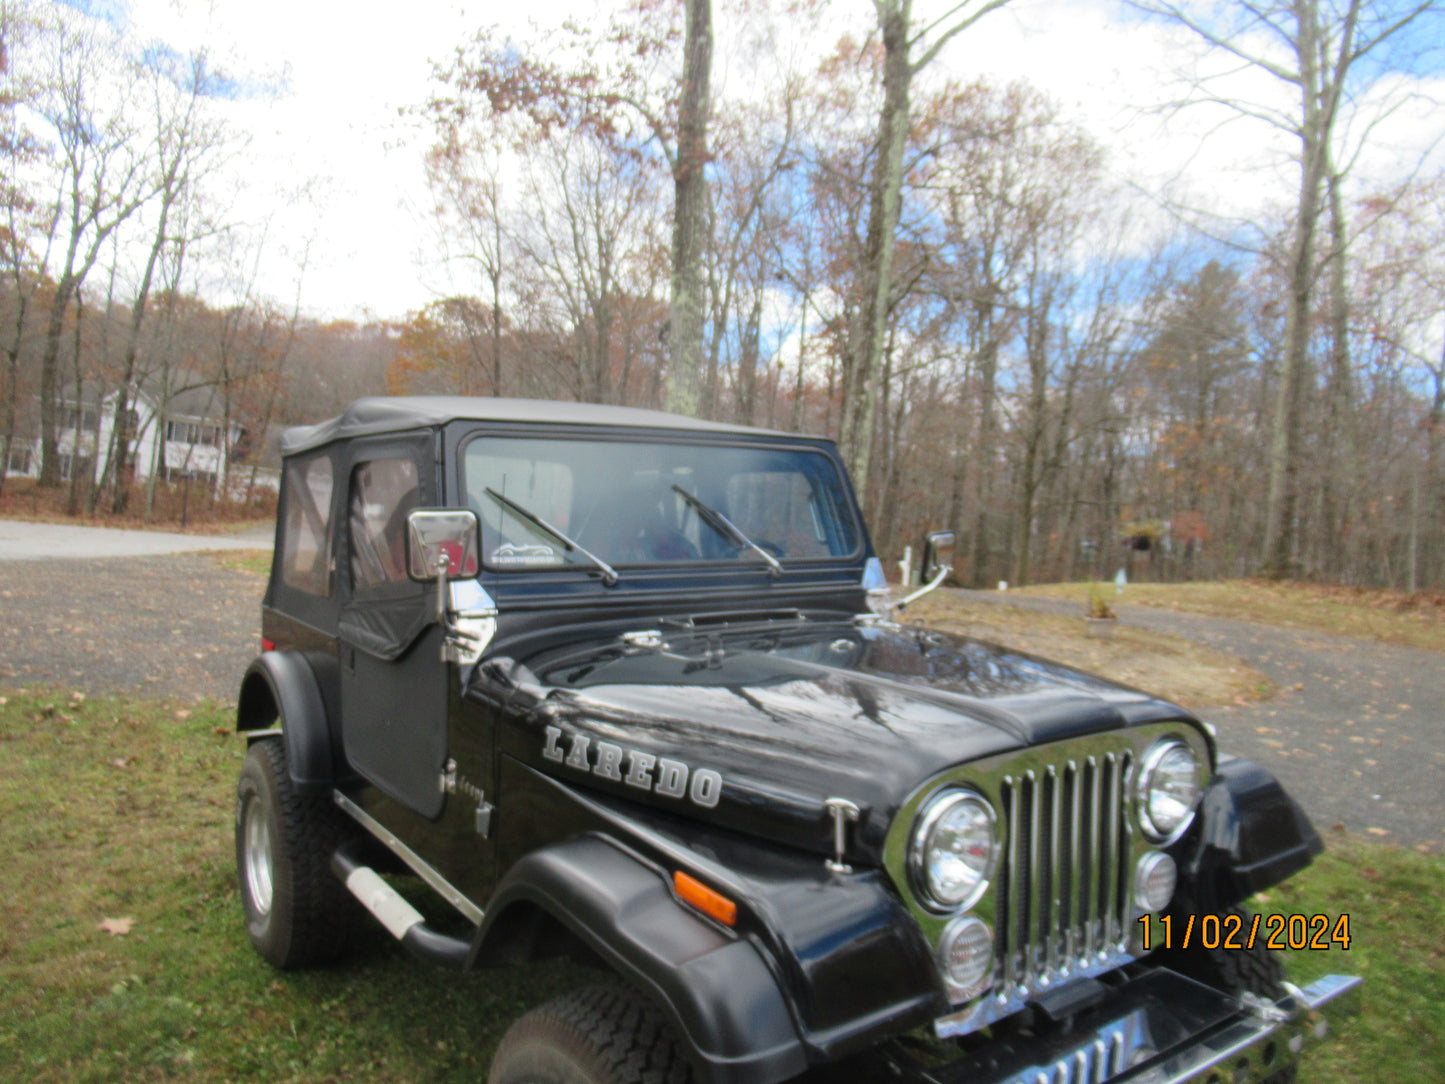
(723, 526)
(609, 574)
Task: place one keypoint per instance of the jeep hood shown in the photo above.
(791, 718)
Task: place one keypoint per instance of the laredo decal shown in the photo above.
(670, 778)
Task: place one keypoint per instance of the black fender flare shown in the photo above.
(280, 689)
(1251, 835)
(717, 990)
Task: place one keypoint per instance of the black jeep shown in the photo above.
(623, 686)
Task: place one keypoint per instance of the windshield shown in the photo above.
(616, 499)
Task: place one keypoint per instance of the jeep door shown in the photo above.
(393, 680)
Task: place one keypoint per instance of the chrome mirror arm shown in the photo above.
(937, 554)
(931, 585)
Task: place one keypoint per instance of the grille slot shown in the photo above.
(1063, 890)
(1101, 1060)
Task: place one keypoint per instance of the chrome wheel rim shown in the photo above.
(256, 857)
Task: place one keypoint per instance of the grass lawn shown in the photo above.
(116, 816)
(255, 562)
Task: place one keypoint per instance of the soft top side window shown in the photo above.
(306, 535)
(383, 491)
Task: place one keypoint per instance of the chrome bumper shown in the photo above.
(1162, 1028)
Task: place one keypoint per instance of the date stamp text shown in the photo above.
(1314, 932)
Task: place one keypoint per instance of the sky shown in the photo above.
(333, 163)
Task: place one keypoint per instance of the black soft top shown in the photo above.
(367, 417)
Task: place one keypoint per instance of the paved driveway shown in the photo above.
(41, 541)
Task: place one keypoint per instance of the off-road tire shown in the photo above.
(601, 1035)
(297, 912)
(1253, 969)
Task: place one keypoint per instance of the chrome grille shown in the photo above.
(1100, 1061)
(1063, 902)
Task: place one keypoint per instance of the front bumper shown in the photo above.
(1162, 1028)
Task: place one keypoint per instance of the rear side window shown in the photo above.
(306, 537)
(383, 491)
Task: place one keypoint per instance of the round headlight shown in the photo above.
(953, 850)
(1169, 789)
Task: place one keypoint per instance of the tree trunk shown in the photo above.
(795, 420)
(689, 223)
(1282, 506)
(1340, 461)
(120, 459)
(986, 452)
(748, 364)
(78, 484)
(50, 383)
(884, 208)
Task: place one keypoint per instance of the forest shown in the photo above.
(1009, 335)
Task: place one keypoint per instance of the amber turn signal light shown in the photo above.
(713, 904)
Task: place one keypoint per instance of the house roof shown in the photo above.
(367, 417)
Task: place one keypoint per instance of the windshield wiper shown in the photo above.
(723, 526)
(609, 574)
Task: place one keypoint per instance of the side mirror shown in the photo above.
(937, 564)
(937, 554)
(441, 545)
(441, 541)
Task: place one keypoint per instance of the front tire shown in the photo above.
(297, 912)
(601, 1035)
(1254, 969)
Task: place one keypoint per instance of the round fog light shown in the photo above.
(1154, 881)
(966, 952)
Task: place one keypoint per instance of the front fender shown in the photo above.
(717, 990)
(280, 689)
(1252, 835)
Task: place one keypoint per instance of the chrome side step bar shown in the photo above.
(402, 920)
(390, 908)
(443, 887)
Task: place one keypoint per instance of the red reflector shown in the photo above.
(267, 645)
(691, 890)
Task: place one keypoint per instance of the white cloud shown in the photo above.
(350, 68)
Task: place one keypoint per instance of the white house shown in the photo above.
(182, 434)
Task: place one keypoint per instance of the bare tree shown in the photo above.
(1314, 48)
(100, 180)
(875, 280)
(463, 170)
(187, 146)
(627, 95)
(27, 232)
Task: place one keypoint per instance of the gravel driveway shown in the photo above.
(178, 625)
(1356, 735)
